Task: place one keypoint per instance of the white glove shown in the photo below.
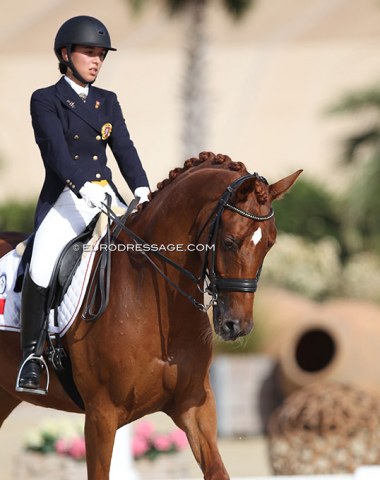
(93, 194)
(142, 193)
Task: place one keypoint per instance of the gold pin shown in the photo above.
(97, 104)
(106, 131)
(70, 103)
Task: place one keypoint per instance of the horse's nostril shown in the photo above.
(231, 326)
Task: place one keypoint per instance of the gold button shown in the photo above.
(73, 186)
(76, 157)
(67, 181)
(98, 175)
(76, 137)
(98, 137)
(95, 157)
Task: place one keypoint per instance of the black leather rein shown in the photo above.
(214, 282)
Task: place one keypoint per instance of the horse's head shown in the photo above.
(237, 227)
(243, 235)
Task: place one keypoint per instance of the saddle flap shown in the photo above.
(67, 264)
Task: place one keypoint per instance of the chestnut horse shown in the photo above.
(151, 349)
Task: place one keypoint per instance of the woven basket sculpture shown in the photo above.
(325, 428)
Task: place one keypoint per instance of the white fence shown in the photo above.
(362, 473)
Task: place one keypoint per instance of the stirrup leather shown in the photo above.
(40, 391)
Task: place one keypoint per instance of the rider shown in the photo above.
(72, 131)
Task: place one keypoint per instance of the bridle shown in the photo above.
(217, 283)
(214, 282)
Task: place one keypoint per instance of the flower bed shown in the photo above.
(160, 455)
(57, 450)
(149, 444)
(61, 437)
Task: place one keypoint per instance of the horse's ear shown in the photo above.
(278, 189)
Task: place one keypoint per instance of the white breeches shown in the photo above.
(68, 217)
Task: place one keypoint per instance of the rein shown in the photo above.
(139, 241)
(215, 282)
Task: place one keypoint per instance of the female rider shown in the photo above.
(73, 123)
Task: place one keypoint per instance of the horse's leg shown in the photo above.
(7, 404)
(100, 429)
(199, 423)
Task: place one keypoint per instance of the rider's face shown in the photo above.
(87, 60)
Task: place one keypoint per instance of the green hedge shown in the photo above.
(17, 216)
(310, 211)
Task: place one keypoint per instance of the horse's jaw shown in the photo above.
(230, 324)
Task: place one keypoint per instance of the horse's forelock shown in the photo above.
(262, 193)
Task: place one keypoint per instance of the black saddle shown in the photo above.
(67, 265)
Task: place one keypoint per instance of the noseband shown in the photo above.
(217, 283)
(214, 282)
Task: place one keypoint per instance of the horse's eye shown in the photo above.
(230, 244)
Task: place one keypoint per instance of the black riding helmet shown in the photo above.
(81, 30)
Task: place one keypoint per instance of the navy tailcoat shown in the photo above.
(73, 135)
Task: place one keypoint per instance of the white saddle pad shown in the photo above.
(10, 301)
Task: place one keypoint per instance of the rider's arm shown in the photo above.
(49, 135)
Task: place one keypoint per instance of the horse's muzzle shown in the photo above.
(229, 327)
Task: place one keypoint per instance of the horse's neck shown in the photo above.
(174, 211)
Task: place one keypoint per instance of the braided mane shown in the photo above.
(205, 159)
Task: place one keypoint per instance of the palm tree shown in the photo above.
(362, 148)
(194, 89)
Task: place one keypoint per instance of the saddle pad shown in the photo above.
(10, 300)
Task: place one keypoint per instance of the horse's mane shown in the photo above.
(205, 159)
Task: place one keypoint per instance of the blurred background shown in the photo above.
(276, 85)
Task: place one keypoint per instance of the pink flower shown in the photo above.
(179, 439)
(144, 429)
(140, 446)
(77, 448)
(61, 446)
(162, 443)
(147, 443)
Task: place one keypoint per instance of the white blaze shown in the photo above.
(257, 235)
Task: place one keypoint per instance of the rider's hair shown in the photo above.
(62, 68)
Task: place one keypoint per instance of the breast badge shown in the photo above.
(106, 131)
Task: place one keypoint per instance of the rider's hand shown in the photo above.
(142, 193)
(93, 194)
